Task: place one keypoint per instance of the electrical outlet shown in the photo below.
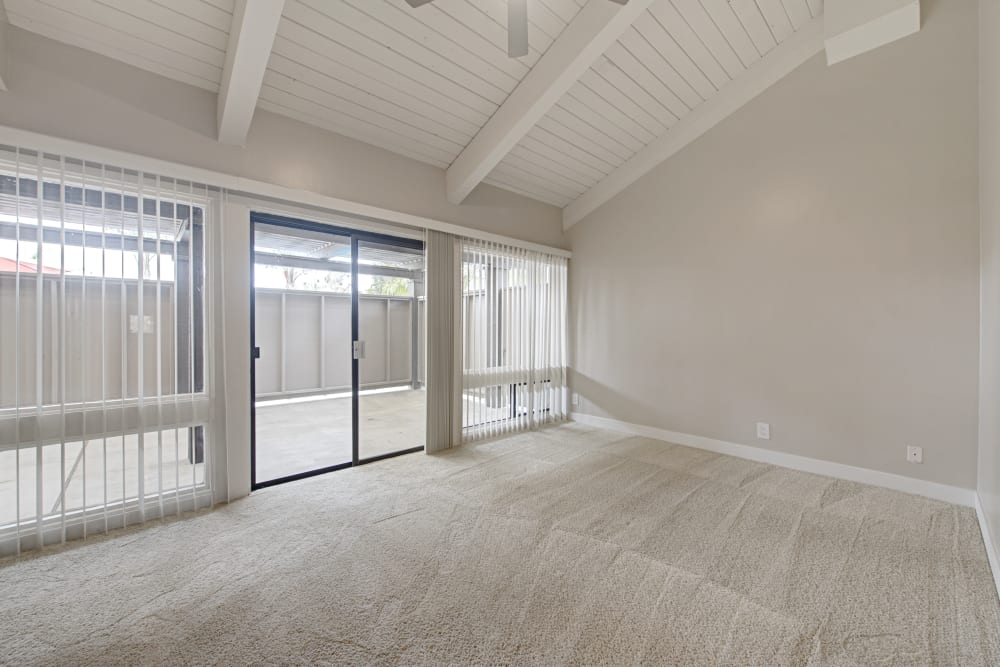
(575, 399)
(915, 454)
(763, 431)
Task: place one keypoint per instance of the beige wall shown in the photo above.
(67, 92)
(989, 189)
(811, 262)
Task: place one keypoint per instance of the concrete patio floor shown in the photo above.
(295, 437)
(104, 472)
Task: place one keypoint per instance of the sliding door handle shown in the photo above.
(359, 349)
(256, 352)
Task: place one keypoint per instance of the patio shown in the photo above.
(304, 434)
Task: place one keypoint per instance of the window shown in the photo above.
(514, 338)
(103, 406)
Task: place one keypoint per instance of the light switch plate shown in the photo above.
(763, 431)
(147, 324)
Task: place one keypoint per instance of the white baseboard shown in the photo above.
(991, 551)
(949, 494)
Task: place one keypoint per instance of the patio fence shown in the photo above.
(306, 347)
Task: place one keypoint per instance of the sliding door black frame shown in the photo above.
(355, 236)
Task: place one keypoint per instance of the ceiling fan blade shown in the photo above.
(621, 2)
(418, 3)
(517, 28)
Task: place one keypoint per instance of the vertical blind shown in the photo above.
(103, 403)
(443, 367)
(107, 398)
(514, 347)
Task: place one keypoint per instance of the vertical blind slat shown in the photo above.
(61, 328)
(85, 339)
(140, 337)
(176, 386)
(159, 349)
(124, 347)
(39, 371)
(17, 346)
(104, 347)
(192, 440)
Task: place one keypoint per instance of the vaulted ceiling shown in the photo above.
(420, 82)
(427, 82)
(180, 39)
(675, 56)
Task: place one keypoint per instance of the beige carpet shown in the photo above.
(567, 546)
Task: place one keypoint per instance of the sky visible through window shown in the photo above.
(79, 261)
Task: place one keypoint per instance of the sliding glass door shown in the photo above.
(302, 340)
(337, 347)
(392, 409)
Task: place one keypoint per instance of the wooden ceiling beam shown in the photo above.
(853, 27)
(255, 24)
(595, 28)
(846, 29)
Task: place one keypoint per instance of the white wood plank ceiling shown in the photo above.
(677, 55)
(423, 82)
(180, 39)
(420, 82)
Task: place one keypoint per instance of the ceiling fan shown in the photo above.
(517, 24)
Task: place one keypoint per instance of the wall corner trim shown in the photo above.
(943, 492)
(991, 551)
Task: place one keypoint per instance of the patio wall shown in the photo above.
(305, 341)
(100, 317)
(290, 329)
